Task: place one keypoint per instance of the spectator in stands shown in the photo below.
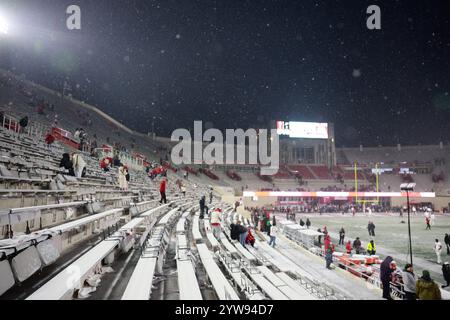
(329, 256)
(49, 139)
(385, 277)
(93, 145)
(447, 243)
(122, 177)
(116, 161)
(268, 225)
(79, 165)
(234, 234)
(319, 237)
(127, 176)
(308, 223)
(215, 220)
(250, 238)
(326, 242)
(341, 236)
(273, 235)
(23, 123)
(371, 248)
(446, 274)
(348, 247)
(76, 134)
(236, 205)
(438, 250)
(242, 231)
(202, 203)
(426, 288)
(409, 282)
(67, 164)
(357, 245)
(162, 190)
(105, 164)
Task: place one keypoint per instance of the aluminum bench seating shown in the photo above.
(222, 287)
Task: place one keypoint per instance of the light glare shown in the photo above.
(4, 26)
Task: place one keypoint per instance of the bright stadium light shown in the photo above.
(4, 25)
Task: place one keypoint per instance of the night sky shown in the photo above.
(241, 64)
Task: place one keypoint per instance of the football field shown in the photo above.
(390, 232)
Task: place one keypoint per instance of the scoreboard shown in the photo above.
(308, 130)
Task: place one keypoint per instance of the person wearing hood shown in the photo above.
(446, 273)
(426, 288)
(409, 282)
(79, 165)
(67, 164)
(385, 277)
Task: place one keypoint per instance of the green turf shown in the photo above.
(391, 233)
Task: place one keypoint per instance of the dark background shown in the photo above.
(240, 64)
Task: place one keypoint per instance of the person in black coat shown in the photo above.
(341, 236)
(446, 273)
(67, 164)
(202, 207)
(447, 242)
(24, 122)
(385, 277)
(234, 231)
(308, 223)
(302, 223)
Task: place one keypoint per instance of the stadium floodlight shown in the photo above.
(408, 187)
(4, 25)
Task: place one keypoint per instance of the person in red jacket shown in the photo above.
(348, 247)
(105, 163)
(250, 238)
(327, 242)
(49, 139)
(162, 190)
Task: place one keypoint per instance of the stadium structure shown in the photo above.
(67, 237)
